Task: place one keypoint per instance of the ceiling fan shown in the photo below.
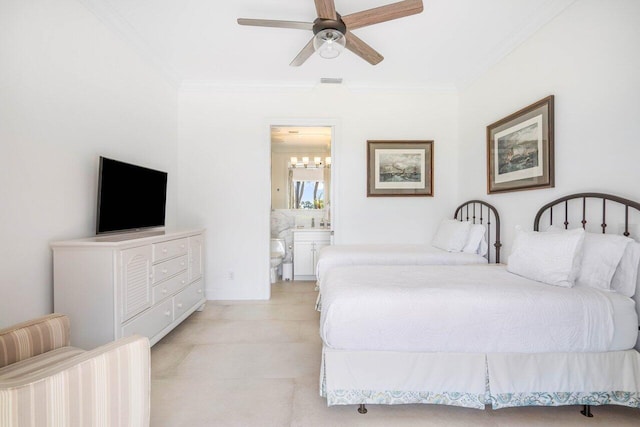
(332, 32)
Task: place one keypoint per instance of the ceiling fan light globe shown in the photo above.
(329, 43)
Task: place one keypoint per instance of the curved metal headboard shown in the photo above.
(479, 212)
(584, 196)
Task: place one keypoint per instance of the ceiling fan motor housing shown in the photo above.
(329, 24)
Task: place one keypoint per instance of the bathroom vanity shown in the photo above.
(307, 243)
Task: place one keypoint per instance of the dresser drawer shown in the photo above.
(169, 287)
(169, 268)
(151, 321)
(169, 249)
(187, 298)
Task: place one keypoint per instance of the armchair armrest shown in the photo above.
(105, 386)
(33, 337)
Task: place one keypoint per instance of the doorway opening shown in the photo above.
(301, 199)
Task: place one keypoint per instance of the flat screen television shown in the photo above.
(130, 197)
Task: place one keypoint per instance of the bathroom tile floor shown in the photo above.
(256, 363)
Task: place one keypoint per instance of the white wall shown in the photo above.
(589, 58)
(224, 159)
(70, 91)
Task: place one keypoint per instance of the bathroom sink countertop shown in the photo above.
(311, 229)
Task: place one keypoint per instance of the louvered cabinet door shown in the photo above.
(136, 281)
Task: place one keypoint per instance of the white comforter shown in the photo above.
(472, 308)
(390, 254)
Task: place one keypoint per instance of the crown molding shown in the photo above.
(530, 26)
(288, 86)
(121, 27)
(244, 86)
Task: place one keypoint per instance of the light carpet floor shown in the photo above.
(257, 364)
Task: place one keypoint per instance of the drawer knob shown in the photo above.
(199, 291)
(164, 271)
(165, 250)
(182, 264)
(179, 305)
(167, 313)
(183, 281)
(164, 291)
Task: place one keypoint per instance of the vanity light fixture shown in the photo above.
(317, 162)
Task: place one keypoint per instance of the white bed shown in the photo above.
(475, 309)
(476, 335)
(446, 252)
(342, 255)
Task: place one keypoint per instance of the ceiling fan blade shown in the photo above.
(363, 50)
(277, 24)
(304, 54)
(326, 9)
(382, 14)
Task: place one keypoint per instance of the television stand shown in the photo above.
(112, 286)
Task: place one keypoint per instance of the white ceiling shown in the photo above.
(447, 46)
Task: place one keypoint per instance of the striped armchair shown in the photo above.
(46, 382)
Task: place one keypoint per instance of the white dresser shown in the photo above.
(137, 283)
(307, 243)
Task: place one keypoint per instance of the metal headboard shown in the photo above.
(584, 196)
(479, 212)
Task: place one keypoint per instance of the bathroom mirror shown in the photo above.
(301, 167)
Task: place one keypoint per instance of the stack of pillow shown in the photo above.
(461, 236)
(576, 258)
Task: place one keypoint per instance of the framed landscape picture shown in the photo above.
(520, 149)
(399, 168)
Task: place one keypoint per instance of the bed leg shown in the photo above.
(362, 409)
(586, 411)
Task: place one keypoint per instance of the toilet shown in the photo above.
(278, 251)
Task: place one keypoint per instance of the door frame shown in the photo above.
(334, 124)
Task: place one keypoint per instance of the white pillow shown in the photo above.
(578, 255)
(451, 235)
(625, 279)
(546, 257)
(475, 240)
(601, 254)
